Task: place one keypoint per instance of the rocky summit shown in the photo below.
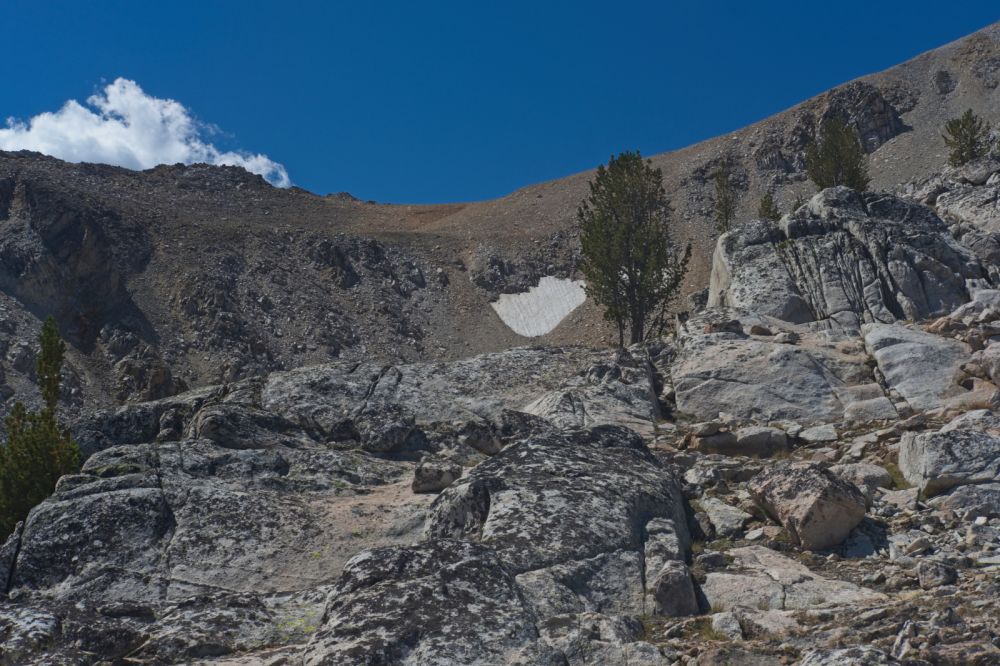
(308, 439)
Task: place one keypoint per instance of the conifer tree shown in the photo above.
(38, 450)
(836, 157)
(49, 363)
(726, 197)
(967, 137)
(630, 262)
(768, 209)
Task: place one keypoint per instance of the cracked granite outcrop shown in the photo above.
(844, 259)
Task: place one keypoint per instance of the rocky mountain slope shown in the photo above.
(331, 450)
(188, 276)
(808, 474)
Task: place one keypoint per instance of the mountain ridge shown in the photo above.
(227, 236)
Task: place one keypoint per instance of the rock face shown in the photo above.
(338, 400)
(795, 374)
(412, 606)
(856, 656)
(817, 508)
(163, 505)
(292, 518)
(619, 392)
(866, 108)
(251, 498)
(842, 260)
(588, 526)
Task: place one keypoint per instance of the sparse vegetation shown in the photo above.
(768, 209)
(632, 265)
(967, 137)
(899, 481)
(702, 630)
(836, 157)
(299, 623)
(38, 450)
(726, 197)
(722, 544)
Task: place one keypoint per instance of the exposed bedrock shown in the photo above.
(844, 259)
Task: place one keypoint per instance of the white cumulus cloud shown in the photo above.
(123, 125)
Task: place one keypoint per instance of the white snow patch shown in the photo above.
(540, 309)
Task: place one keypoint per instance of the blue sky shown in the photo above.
(453, 101)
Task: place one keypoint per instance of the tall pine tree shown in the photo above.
(38, 450)
(768, 209)
(967, 137)
(631, 264)
(836, 157)
(726, 197)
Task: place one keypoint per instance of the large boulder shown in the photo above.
(772, 380)
(434, 476)
(618, 392)
(967, 194)
(726, 519)
(853, 656)
(761, 441)
(795, 374)
(768, 580)
(866, 476)
(672, 590)
(954, 456)
(971, 501)
(922, 368)
(669, 586)
(817, 508)
(844, 259)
